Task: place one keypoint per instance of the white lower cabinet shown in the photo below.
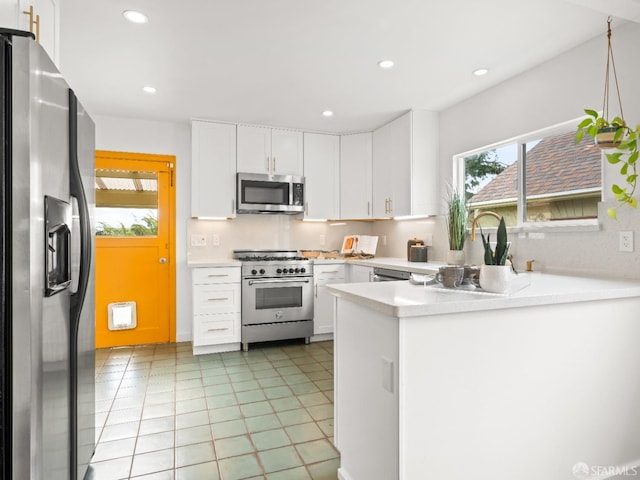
(216, 309)
(360, 274)
(323, 305)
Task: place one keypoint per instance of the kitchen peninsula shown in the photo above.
(452, 385)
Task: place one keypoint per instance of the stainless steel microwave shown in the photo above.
(262, 193)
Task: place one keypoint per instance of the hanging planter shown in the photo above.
(614, 133)
(605, 138)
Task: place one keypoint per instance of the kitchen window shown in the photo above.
(540, 179)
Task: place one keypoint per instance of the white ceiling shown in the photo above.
(282, 62)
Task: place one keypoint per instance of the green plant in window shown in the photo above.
(457, 218)
(625, 140)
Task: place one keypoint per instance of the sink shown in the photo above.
(520, 282)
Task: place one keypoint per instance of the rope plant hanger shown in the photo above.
(617, 121)
(614, 134)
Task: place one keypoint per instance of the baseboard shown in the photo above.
(323, 337)
(343, 475)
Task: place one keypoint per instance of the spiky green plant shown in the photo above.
(457, 218)
(499, 256)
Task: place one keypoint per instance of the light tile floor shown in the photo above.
(163, 414)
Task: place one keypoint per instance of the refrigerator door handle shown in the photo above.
(78, 193)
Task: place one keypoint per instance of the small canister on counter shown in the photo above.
(412, 242)
(418, 253)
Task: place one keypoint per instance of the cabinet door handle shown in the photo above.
(368, 208)
(306, 208)
(274, 164)
(217, 329)
(218, 275)
(33, 22)
(268, 164)
(219, 299)
(316, 291)
(328, 271)
(390, 205)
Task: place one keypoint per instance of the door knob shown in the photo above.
(163, 260)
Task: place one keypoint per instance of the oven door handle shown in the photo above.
(284, 280)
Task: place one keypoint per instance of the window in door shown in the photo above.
(126, 203)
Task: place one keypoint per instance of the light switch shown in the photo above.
(387, 374)
(216, 240)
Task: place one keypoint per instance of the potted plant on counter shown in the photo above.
(457, 218)
(495, 274)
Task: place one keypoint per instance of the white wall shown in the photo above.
(552, 93)
(163, 138)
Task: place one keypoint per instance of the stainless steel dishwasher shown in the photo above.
(389, 275)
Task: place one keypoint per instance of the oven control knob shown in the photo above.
(302, 270)
(284, 270)
(254, 272)
(262, 271)
(297, 270)
(279, 270)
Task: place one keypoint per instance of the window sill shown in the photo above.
(534, 230)
(562, 226)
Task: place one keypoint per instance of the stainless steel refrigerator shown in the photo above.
(47, 360)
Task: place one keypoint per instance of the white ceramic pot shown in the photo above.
(455, 257)
(496, 278)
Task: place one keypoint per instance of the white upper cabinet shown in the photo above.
(405, 166)
(322, 173)
(39, 17)
(269, 150)
(355, 176)
(213, 169)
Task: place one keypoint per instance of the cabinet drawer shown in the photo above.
(212, 299)
(328, 272)
(203, 276)
(216, 329)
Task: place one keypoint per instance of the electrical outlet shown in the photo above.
(626, 242)
(216, 240)
(323, 239)
(198, 240)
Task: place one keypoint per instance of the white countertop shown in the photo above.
(222, 262)
(403, 299)
(384, 262)
(387, 262)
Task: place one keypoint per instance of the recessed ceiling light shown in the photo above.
(135, 17)
(327, 113)
(149, 89)
(385, 64)
(478, 72)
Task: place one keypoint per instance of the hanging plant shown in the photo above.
(616, 134)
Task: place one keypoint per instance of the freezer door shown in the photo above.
(40, 323)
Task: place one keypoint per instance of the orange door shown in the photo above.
(135, 272)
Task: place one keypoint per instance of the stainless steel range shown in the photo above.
(277, 295)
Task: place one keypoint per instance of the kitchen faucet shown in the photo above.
(478, 217)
